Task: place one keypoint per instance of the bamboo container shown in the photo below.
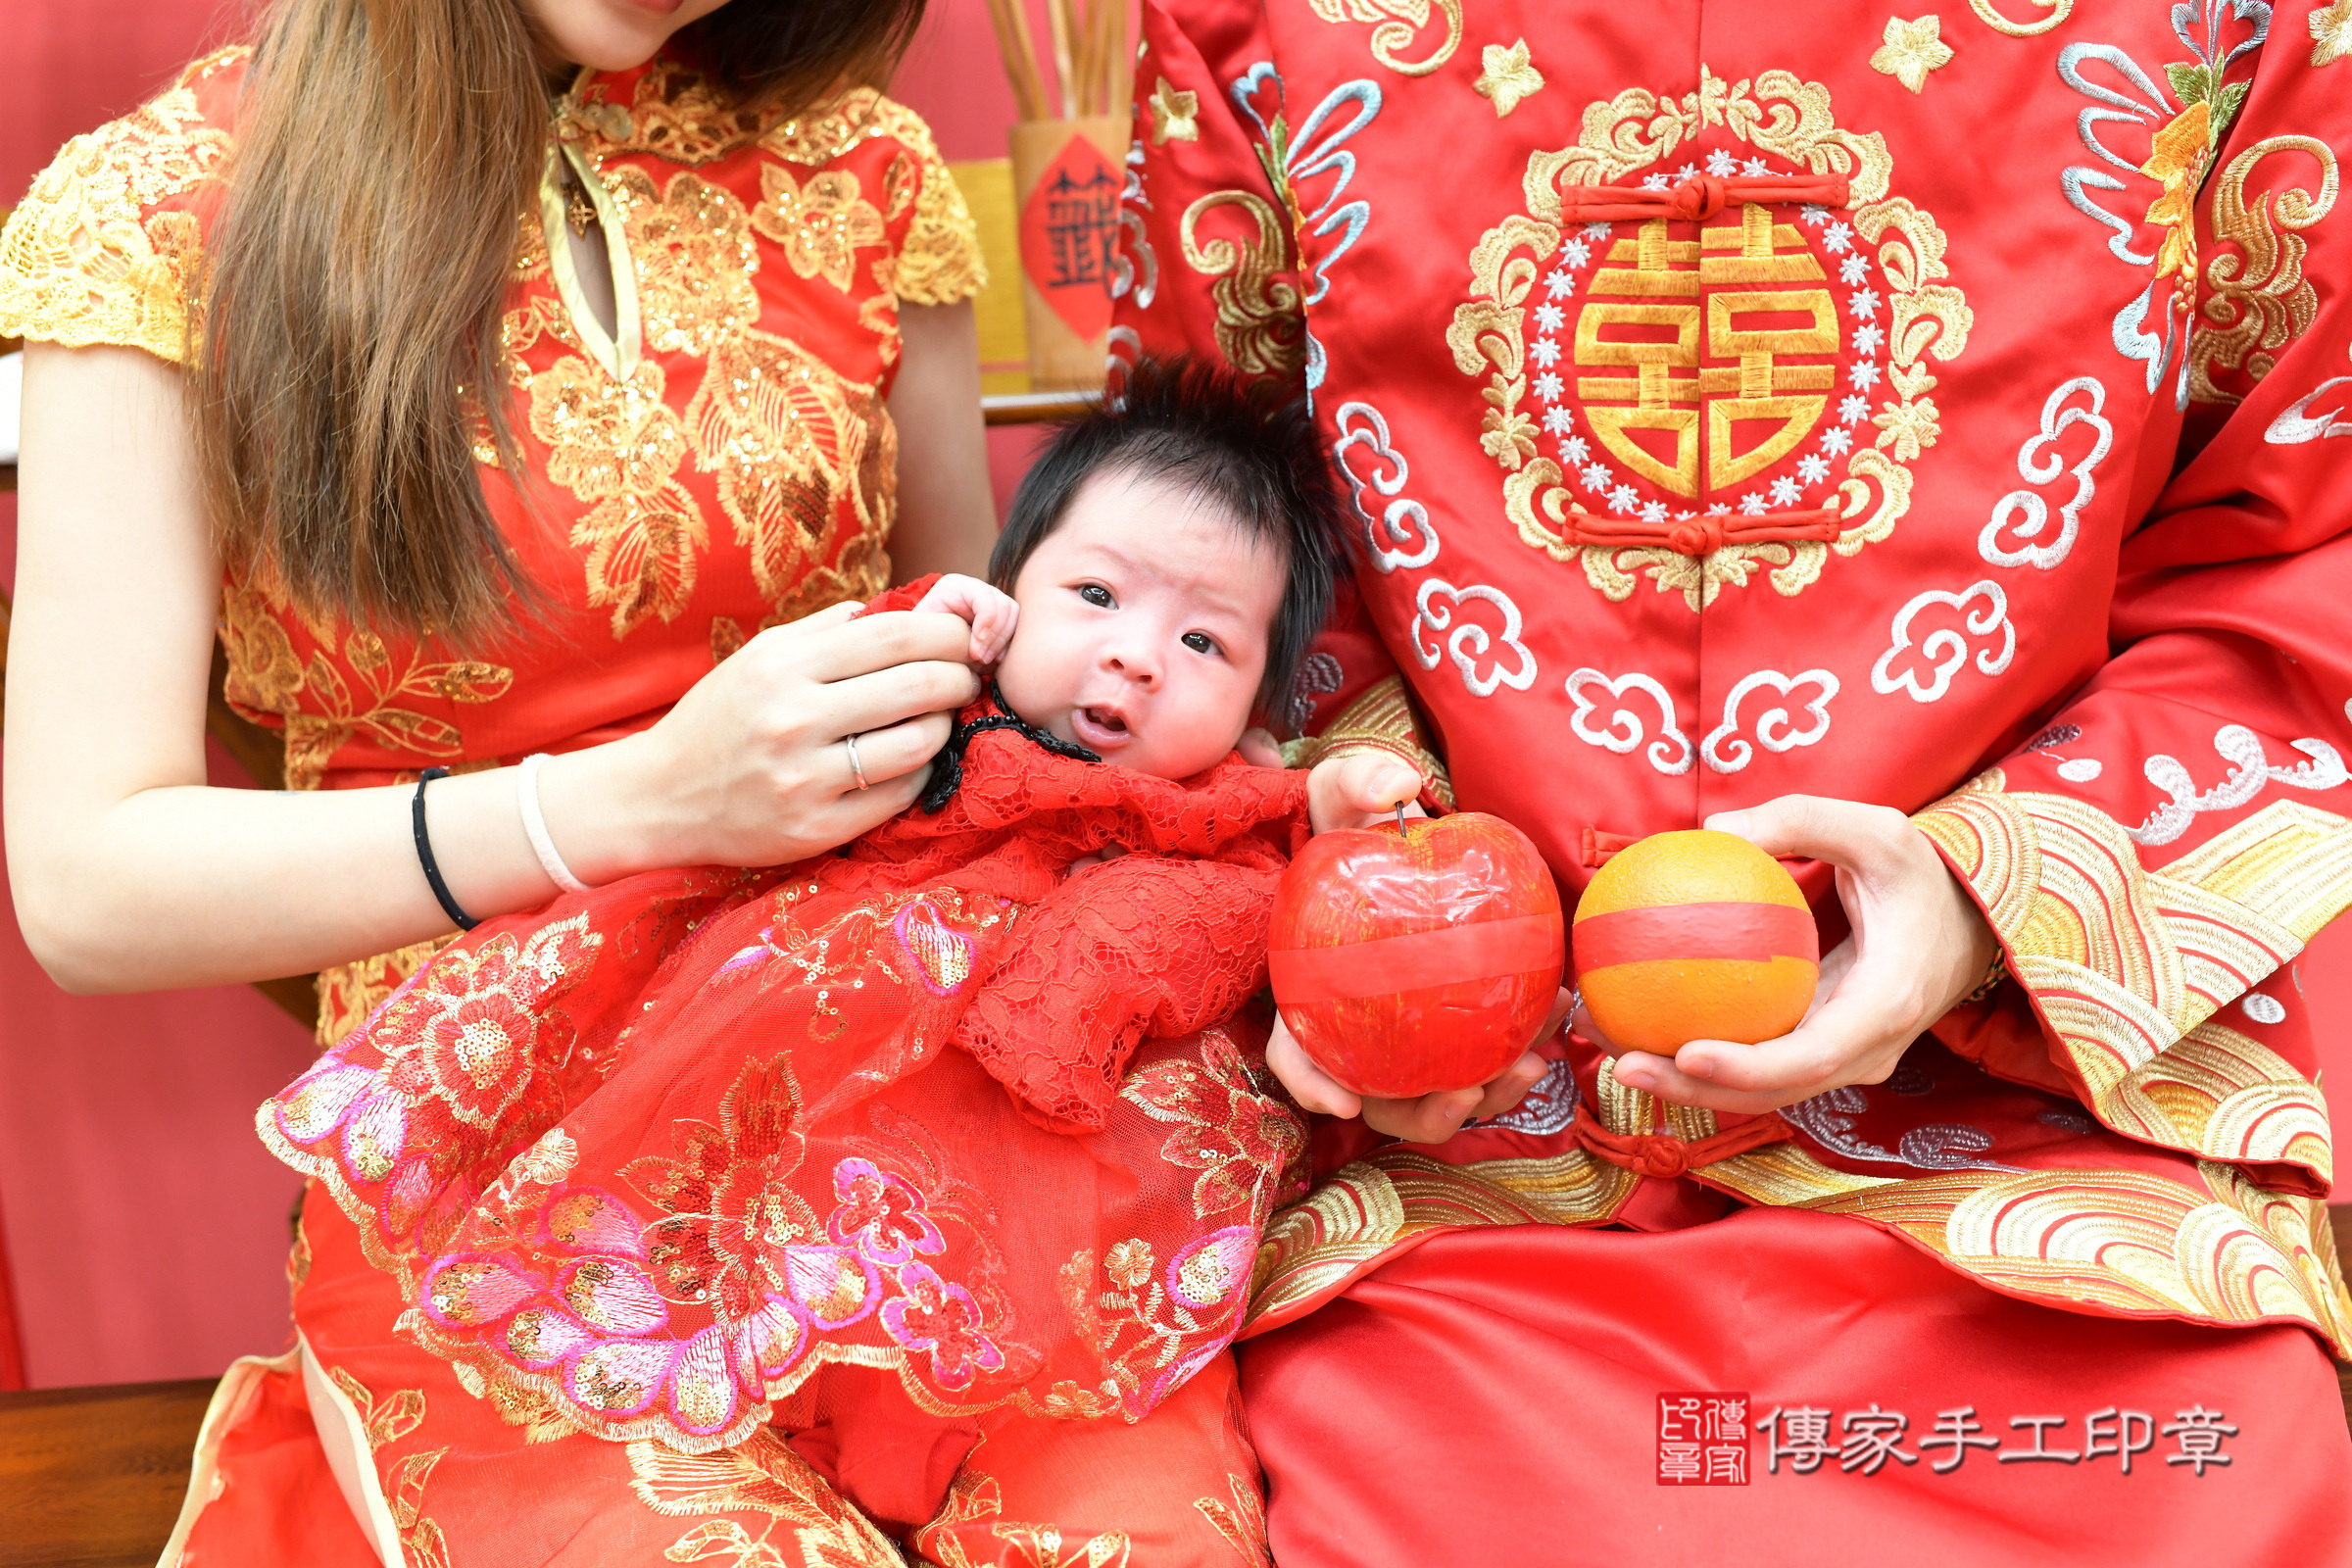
(1066, 176)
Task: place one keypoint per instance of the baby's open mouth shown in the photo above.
(1099, 726)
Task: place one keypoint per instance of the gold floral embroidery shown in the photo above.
(1175, 116)
(1129, 1319)
(2059, 11)
(420, 1538)
(675, 112)
(1912, 49)
(800, 455)
(900, 182)
(349, 991)
(518, 1406)
(827, 133)
(618, 444)
(1226, 1121)
(1241, 1522)
(821, 226)
(940, 262)
(1260, 328)
(80, 265)
(2127, 965)
(389, 1420)
(695, 255)
(761, 1475)
(977, 1500)
(797, 453)
(1397, 24)
(1509, 75)
(1925, 318)
(320, 709)
(2260, 301)
(2331, 32)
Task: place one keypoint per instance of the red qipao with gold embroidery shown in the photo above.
(721, 462)
(1940, 412)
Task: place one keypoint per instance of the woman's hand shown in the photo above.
(1919, 944)
(750, 768)
(1359, 791)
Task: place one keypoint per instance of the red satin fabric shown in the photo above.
(1492, 1397)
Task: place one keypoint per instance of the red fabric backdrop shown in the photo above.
(145, 1229)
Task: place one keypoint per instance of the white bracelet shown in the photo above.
(534, 826)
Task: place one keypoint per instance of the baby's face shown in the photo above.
(1144, 626)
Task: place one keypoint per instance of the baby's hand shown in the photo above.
(1361, 790)
(991, 613)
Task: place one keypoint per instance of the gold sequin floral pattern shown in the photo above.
(821, 225)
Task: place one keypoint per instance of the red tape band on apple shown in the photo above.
(1521, 944)
(1756, 932)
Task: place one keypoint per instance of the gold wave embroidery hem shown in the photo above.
(2126, 968)
(2218, 1249)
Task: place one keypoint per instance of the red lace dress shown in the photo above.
(684, 1162)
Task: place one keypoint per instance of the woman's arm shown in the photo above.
(130, 874)
(947, 514)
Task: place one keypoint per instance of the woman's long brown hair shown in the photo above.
(386, 152)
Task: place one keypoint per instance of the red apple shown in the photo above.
(1415, 960)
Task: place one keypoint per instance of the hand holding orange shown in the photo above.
(1696, 935)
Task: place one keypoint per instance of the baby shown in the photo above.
(944, 1157)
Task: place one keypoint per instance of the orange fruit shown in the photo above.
(1694, 935)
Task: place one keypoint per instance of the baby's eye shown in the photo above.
(1094, 593)
(1199, 641)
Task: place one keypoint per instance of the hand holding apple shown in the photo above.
(1419, 955)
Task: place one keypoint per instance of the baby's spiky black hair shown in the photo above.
(1241, 445)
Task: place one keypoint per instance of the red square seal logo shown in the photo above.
(1703, 1439)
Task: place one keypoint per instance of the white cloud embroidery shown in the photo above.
(1402, 535)
(1946, 649)
(1773, 731)
(1625, 727)
(1468, 642)
(2250, 772)
(2038, 464)
(2294, 425)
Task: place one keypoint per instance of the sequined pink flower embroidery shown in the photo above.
(880, 1214)
(932, 1315)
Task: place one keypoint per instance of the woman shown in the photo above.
(502, 379)
(1904, 443)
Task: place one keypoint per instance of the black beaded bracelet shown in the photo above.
(424, 853)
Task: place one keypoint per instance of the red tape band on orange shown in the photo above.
(1521, 944)
(1756, 932)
